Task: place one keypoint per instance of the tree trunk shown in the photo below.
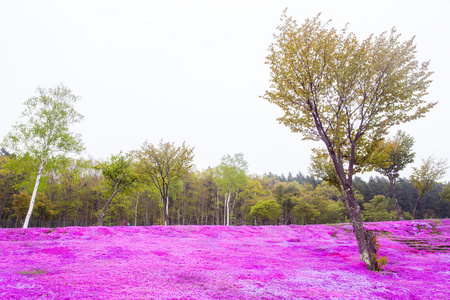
(116, 191)
(202, 210)
(234, 201)
(226, 211)
(135, 210)
(166, 210)
(102, 213)
(100, 219)
(364, 238)
(415, 207)
(33, 197)
(146, 211)
(183, 208)
(399, 210)
(76, 214)
(217, 208)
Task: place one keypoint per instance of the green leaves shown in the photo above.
(400, 154)
(232, 172)
(119, 175)
(118, 172)
(45, 135)
(266, 211)
(378, 210)
(163, 164)
(45, 132)
(428, 174)
(346, 93)
(335, 88)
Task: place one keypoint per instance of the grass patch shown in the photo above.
(33, 272)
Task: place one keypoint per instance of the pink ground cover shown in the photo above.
(218, 262)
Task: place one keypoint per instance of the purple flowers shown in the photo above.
(218, 262)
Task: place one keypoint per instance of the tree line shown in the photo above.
(223, 195)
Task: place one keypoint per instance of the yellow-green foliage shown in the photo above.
(378, 210)
(381, 261)
(33, 272)
(268, 210)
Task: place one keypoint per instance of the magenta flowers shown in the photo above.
(218, 262)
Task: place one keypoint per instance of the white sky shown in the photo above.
(194, 71)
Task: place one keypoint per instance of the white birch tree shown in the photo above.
(232, 175)
(44, 133)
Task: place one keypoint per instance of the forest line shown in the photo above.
(76, 196)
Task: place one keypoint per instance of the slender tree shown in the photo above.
(45, 134)
(119, 176)
(400, 154)
(426, 176)
(230, 178)
(347, 94)
(162, 166)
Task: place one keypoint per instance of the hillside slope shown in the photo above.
(218, 262)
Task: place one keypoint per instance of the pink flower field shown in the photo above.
(219, 262)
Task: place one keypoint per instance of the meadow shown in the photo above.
(220, 262)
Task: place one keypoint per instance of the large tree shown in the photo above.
(346, 93)
(45, 132)
(400, 154)
(163, 165)
(119, 177)
(426, 176)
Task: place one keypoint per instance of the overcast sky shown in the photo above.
(194, 71)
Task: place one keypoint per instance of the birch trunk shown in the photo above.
(166, 210)
(234, 201)
(217, 208)
(228, 209)
(33, 197)
(225, 210)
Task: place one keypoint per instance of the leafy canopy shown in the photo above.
(345, 92)
(118, 172)
(399, 154)
(428, 174)
(378, 210)
(163, 164)
(266, 210)
(45, 132)
(232, 172)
